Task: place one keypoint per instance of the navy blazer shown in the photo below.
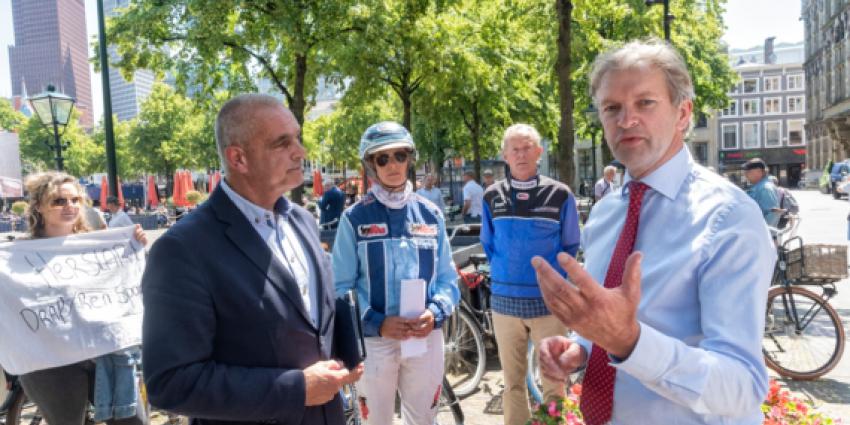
(225, 333)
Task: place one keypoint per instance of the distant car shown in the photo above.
(839, 171)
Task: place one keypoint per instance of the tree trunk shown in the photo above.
(406, 93)
(566, 170)
(476, 140)
(299, 104)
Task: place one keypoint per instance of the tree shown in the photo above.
(80, 156)
(128, 165)
(9, 118)
(233, 44)
(397, 45)
(169, 134)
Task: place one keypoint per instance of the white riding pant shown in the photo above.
(418, 381)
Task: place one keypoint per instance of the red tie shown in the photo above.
(597, 390)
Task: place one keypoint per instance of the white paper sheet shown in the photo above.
(412, 305)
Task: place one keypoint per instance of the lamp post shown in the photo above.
(592, 115)
(54, 110)
(450, 155)
(667, 16)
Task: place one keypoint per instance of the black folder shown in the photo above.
(349, 345)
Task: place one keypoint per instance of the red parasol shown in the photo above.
(104, 193)
(318, 188)
(153, 193)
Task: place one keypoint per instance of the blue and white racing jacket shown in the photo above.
(376, 247)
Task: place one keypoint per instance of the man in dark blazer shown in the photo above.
(238, 295)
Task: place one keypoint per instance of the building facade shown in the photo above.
(827, 80)
(51, 48)
(766, 117)
(127, 96)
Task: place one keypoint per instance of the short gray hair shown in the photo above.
(609, 168)
(234, 124)
(520, 130)
(652, 53)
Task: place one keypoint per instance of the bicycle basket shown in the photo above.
(817, 263)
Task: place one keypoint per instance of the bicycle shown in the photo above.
(803, 336)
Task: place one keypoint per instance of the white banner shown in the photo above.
(64, 300)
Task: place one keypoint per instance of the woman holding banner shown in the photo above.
(56, 202)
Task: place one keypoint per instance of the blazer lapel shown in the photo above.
(243, 235)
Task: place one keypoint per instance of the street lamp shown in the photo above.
(592, 115)
(54, 109)
(667, 16)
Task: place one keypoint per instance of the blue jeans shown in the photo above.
(116, 394)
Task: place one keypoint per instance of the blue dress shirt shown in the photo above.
(706, 269)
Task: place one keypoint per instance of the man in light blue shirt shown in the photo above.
(762, 190)
(683, 329)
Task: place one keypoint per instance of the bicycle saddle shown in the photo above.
(478, 259)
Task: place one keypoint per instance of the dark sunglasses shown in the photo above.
(383, 159)
(63, 202)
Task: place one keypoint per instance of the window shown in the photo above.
(795, 133)
(751, 85)
(701, 152)
(750, 136)
(730, 136)
(701, 120)
(773, 105)
(772, 83)
(772, 132)
(795, 104)
(795, 82)
(732, 109)
(750, 106)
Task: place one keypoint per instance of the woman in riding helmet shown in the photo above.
(392, 235)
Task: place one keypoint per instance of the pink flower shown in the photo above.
(553, 410)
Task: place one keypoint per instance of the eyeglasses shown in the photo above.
(64, 202)
(383, 159)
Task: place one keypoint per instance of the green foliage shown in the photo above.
(194, 197)
(128, 165)
(19, 207)
(170, 134)
(81, 157)
(9, 118)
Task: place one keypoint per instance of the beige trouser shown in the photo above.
(512, 334)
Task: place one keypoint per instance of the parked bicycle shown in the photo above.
(804, 335)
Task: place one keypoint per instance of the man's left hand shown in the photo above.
(606, 316)
(423, 325)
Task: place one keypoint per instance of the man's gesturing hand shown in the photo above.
(608, 317)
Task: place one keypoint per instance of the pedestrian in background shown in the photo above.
(525, 215)
(431, 192)
(605, 185)
(473, 194)
(331, 204)
(763, 190)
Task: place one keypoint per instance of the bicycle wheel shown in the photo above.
(807, 347)
(533, 377)
(449, 410)
(350, 404)
(465, 353)
(22, 411)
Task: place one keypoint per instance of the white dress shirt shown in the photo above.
(274, 228)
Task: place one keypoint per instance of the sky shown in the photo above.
(748, 23)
